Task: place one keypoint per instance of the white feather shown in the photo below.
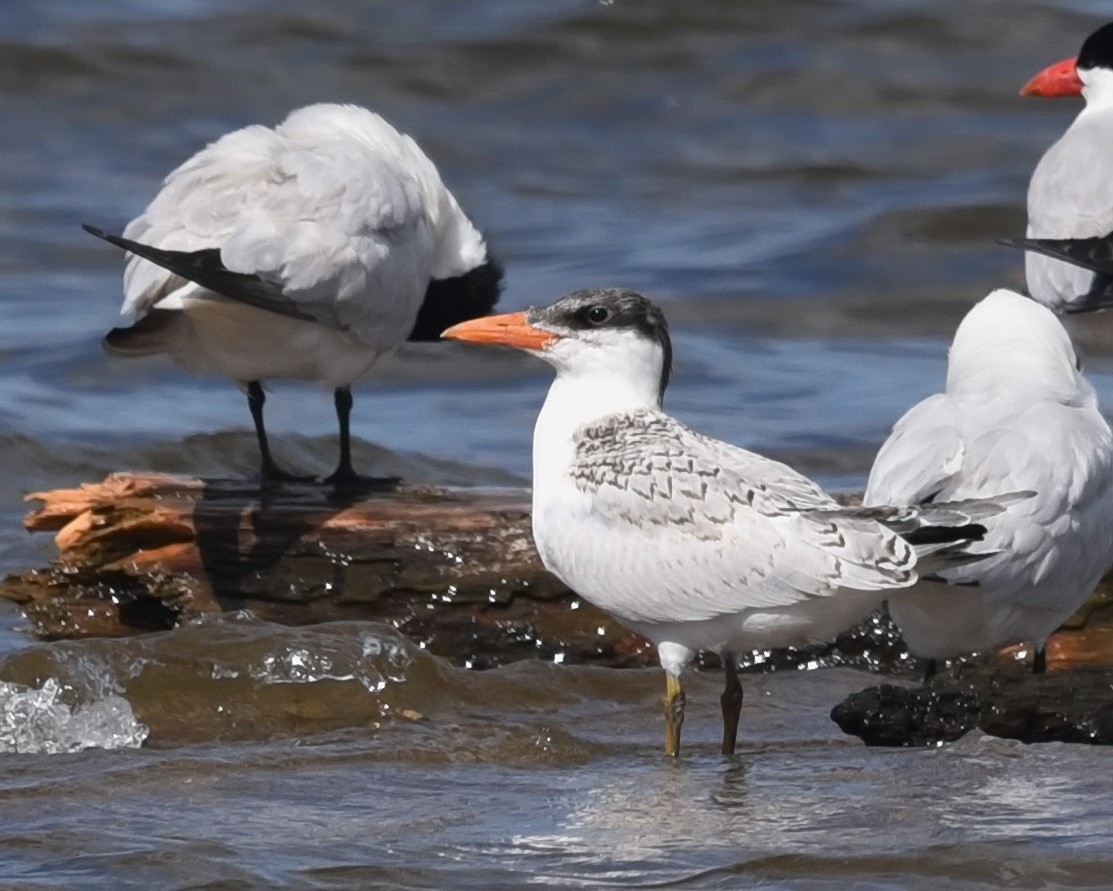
(347, 215)
(1017, 414)
(1071, 193)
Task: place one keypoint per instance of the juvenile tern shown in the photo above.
(306, 252)
(1071, 191)
(1016, 414)
(690, 541)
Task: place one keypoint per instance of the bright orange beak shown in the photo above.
(510, 329)
(1060, 79)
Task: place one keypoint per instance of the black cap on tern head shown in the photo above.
(613, 308)
(1097, 49)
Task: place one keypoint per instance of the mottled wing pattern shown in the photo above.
(678, 473)
(714, 529)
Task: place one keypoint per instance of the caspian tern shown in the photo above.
(690, 541)
(306, 252)
(1071, 191)
(1017, 414)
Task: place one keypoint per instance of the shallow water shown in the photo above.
(343, 756)
(811, 189)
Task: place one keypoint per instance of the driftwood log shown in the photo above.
(455, 569)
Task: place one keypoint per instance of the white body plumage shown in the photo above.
(693, 542)
(1070, 194)
(1017, 414)
(306, 252)
(344, 214)
(649, 528)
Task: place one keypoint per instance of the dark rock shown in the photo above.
(889, 715)
(1069, 705)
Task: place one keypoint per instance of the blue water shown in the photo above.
(812, 191)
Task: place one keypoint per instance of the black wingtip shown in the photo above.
(1094, 254)
(943, 534)
(1098, 299)
(116, 240)
(453, 300)
(119, 241)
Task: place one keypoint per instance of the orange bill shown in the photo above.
(510, 329)
(1060, 79)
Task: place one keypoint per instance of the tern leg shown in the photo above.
(731, 701)
(674, 713)
(1039, 662)
(269, 471)
(345, 476)
(931, 669)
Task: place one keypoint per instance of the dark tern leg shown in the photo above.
(1039, 662)
(931, 669)
(344, 475)
(269, 471)
(731, 701)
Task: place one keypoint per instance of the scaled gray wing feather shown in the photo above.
(752, 532)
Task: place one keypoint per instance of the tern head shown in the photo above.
(1088, 74)
(1009, 344)
(598, 332)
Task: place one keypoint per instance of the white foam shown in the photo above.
(41, 722)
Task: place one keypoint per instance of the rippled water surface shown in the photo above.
(810, 188)
(344, 756)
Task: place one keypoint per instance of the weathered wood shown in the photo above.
(453, 568)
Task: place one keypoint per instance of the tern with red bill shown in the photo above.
(304, 252)
(693, 542)
(1016, 413)
(1071, 191)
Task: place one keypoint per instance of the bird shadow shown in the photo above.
(256, 542)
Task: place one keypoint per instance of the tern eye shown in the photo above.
(597, 315)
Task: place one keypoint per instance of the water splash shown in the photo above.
(41, 721)
(369, 658)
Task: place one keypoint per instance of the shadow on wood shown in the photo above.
(455, 569)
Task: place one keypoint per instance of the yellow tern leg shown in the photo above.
(674, 713)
